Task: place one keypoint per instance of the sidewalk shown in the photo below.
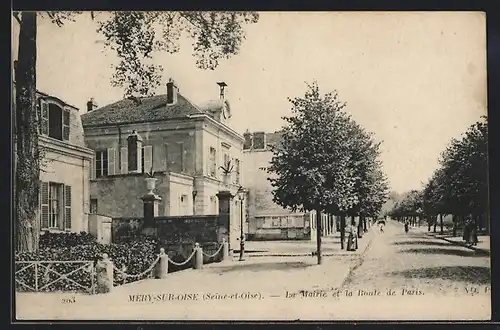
(254, 288)
(482, 246)
(330, 246)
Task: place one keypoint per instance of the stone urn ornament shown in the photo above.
(151, 181)
(227, 169)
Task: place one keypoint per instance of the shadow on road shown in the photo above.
(427, 242)
(456, 252)
(263, 267)
(470, 274)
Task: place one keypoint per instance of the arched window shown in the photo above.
(54, 120)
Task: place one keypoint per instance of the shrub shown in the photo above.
(135, 257)
(61, 240)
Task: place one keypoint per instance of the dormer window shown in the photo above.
(54, 120)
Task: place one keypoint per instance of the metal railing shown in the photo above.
(46, 274)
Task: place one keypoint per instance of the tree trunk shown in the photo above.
(27, 162)
(441, 223)
(360, 227)
(429, 223)
(342, 231)
(455, 220)
(319, 232)
(434, 219)
(365, 227)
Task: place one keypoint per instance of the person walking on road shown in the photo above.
(381, 224)
(407, 226)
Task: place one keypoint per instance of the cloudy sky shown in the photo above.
(414, 79)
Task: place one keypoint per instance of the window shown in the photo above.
(55, 205)
(275, 222)
(212, 162)
(55, 121)
(101, 163)
(55, 202)
(146, 158)
(124, 160)
(93, 206)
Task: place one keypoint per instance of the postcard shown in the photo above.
(250, 166)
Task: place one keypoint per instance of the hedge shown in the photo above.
(134, 257)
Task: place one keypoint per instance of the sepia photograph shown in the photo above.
(250, 166)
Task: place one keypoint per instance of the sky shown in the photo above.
(415, 79)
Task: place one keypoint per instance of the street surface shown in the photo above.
(396, 276)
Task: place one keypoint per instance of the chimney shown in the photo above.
(91, 105)
(172, 91)
(259, 140)
(248, 140)
(222, 85)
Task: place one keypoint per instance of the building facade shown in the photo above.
(185, 145)
(64, 167)
(266, 219)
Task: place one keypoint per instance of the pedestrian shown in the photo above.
(381, 225)
(473, 233)
(467, 231)
(407, 226)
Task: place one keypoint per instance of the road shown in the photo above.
(417, 261)
(398, 277)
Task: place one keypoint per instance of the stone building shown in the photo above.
(182, 143)
(64, 166)
(266, 219)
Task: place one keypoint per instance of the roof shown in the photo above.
(153, 108)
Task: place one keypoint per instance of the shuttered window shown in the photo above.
(111, 161)
(124, 160)
(67, 207)
(147, 158)
(65, 125)
(44, 205)
(101, 163)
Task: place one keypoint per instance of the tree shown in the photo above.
(371, 184)
(309, 166)
(134, 37)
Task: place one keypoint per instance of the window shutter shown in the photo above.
(44, 205)
(44, 122)
(111, 161)
(92, 166)
(66, 125)
(124, 160)
(148, 158)
(67, 207)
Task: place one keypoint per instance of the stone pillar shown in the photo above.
(198, 256)
(134, 148)
(225, 250)
(151, 202)
(225, 198)
(104, 271)
(162, 268)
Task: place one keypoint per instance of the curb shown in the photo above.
(460, 244)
